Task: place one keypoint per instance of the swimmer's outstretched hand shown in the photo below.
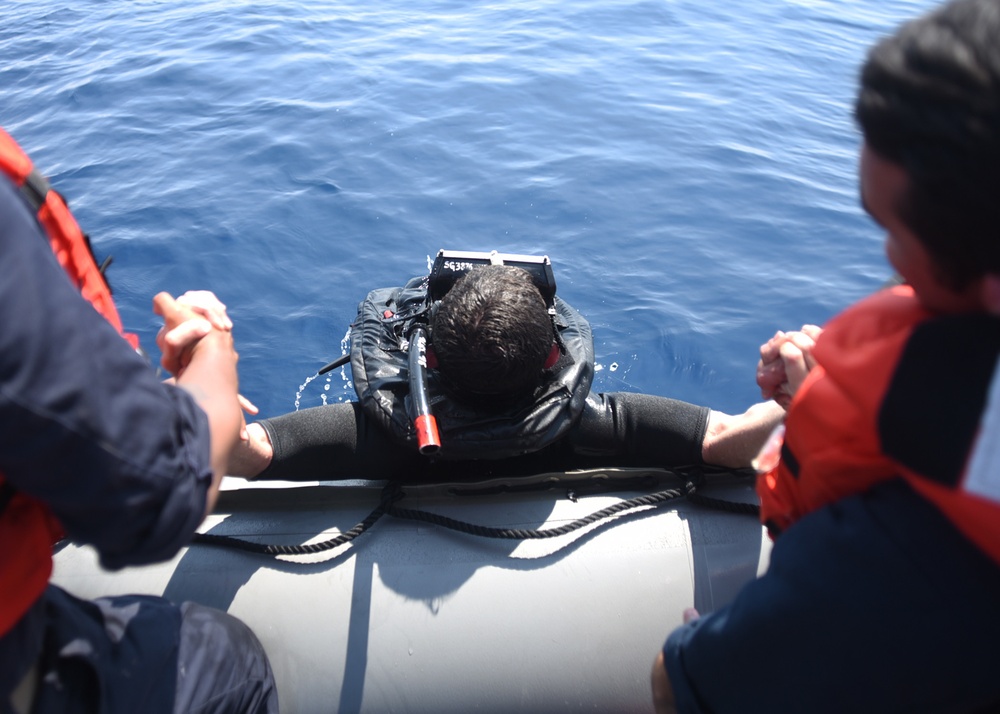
(207, 305)
(186, 320)
(183, 327)
(785, 361)
(253, 454)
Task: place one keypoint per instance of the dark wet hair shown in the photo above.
(929, 102)
(492, 334)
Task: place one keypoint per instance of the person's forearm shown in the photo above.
(735, 440)
(332, 442)
(641, 429)
(211, 379)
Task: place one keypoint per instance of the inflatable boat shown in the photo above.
(551, 593)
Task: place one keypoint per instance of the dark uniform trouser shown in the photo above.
(139, 653)
(872, 604)
(221, 666)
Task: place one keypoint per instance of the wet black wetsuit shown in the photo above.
(561, 427)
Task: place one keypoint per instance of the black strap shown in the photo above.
(35, 188)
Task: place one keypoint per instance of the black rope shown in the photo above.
(393, 492)
(390, 493)
(652, 499)
(751, 509)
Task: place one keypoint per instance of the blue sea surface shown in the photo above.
(688, 166)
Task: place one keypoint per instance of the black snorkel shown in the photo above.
(428, 438)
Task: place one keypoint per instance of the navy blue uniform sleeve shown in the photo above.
(85, 425)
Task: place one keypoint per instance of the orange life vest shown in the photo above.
(27, 527)
(896, 391)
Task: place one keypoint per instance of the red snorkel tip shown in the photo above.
(428, 439)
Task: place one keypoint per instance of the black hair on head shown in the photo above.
(492, 334)
(929, 101)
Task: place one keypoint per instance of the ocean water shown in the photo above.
(688, 166)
